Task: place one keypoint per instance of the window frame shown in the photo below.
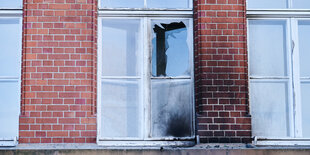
(145, 16)
(15, 13)
(291, 16)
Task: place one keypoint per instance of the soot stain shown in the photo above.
(179, 125)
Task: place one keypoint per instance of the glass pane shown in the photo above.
(304, 47)
(10, 45)
(122, 3)
(121, 108)
(171, 44)
(301, 4)
(267, 44)
(305, 106)
(269, 109)
(171, 108)
(9, 109)
(11, 4)
(168, 4)
(121, 47)
(267, 4)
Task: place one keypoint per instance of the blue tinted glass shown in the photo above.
(11, 4)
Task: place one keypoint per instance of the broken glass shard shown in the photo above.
(170, 48)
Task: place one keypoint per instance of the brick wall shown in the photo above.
(59, 71)
(59, 84)
(221, 71)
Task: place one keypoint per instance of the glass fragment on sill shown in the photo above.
(170, 53)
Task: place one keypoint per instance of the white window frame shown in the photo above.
(9, 14)
(145, 16)
(291, 16)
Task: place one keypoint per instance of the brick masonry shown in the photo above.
(221, 77)
(59, 71)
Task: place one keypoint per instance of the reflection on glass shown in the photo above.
(120, 111)
(168, 3)
(269, 109)
(170, 53)
(171, 108)
(11, 4)
(267, 4)
(121, 50)
(301, 4)
(305, 106)
(10, 47)
(304, 47)
(9, 109)
(122, 3)
(267, 42)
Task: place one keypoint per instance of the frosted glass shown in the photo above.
(301, 4)
(304, 47)
(121, 45)
(10, 47)
(267, 48)
(267, 4)
(11, 4)
(122, 3)
(121, 108)
(269, 109)
(9, 109)
(305, 106)
(168, 3)
(170, 48)
(171, 108)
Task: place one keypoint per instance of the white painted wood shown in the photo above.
(146, 139)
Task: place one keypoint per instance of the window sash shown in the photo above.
(296, 80)
(146, 76)
(145, 6)
(16, 14)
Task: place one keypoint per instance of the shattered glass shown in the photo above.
(170, 48)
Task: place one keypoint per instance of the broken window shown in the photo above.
(145, 82)
(170, 55)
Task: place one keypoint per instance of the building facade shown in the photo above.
(153, 72)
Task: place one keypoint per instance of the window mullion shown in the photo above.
(146, 78)
(296, 78)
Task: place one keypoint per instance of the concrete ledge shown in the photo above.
(202, 149)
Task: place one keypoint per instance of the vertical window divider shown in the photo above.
(146, 82)
(296, 79)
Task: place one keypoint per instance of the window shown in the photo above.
(10, 70)
(279, 71)
(145, 72)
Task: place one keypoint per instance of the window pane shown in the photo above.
(10, 45)
(121, 47)
(305, 106)
(171, 108)
(122, 3)
(304, 47)
(269, 109)
(121, 108)
(301, 4)
(168, 3)
(267, 44)
(9, 109)
(11, 4)
(170, 52)
(267, 4)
